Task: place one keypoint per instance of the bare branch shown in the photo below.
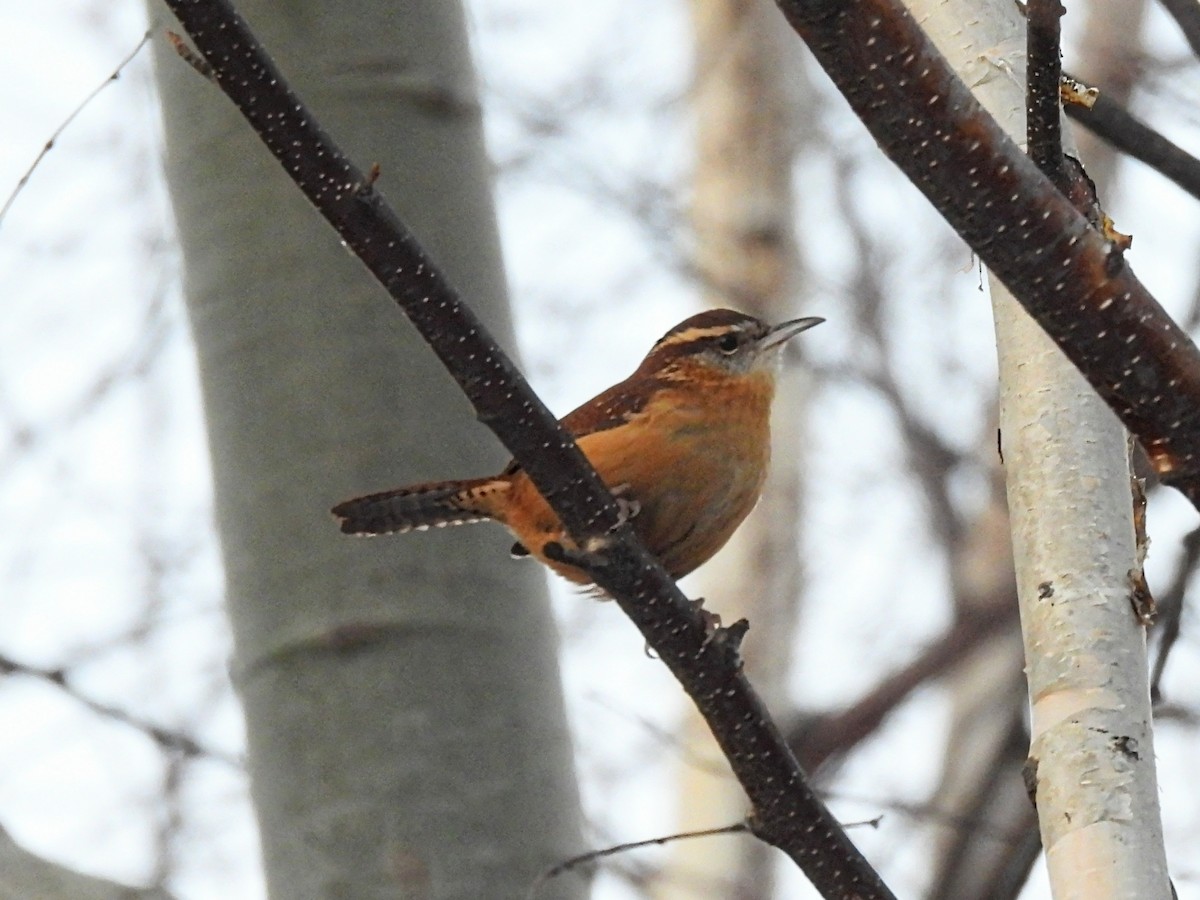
(57, 133)
(1068, 275)
(996, 800)
(814, 741)
(591, 856)
(930, 459)
(1186, 14)
(166, 738)
(1107, 119)
(1170, 607)
(1043, 115)
(786, 812)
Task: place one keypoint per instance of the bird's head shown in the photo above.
(722, 341)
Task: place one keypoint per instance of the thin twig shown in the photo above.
(592, 855)
(57, 133)
(166, 738)
(582, 859)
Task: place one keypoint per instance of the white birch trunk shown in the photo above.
(1070, 504)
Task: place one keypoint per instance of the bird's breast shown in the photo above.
(695, 464)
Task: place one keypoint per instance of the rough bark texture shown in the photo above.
(1069, 274)
(405, 727)
(1092, 745)
(1067, 470)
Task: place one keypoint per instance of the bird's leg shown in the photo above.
(586, 560)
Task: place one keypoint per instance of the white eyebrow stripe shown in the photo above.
(699, 334)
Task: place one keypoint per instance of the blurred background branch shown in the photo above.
(592, 132)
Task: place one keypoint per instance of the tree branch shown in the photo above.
(1043, 109)
(1109, 120)
(1186, 14)
(786, 812)
(815, 739)
(167, 739)
(1066, 274)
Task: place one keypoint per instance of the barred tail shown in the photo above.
(420, 506)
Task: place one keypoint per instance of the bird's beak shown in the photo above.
(784, 331)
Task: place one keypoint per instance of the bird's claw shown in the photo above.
(627, 507)
(711, 620)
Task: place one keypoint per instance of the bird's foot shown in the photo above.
(627, 507)
(711, 620)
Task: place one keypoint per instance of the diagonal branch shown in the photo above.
(1065, 273)
(1109, 120)
(1186, 14)
(785, 811)
(816, 739)
(167, 740)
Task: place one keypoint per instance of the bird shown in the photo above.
(683, 444)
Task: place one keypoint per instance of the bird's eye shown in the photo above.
(729, 343)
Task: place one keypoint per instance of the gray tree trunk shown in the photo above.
(405, 725)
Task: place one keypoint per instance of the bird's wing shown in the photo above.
(606, 410)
